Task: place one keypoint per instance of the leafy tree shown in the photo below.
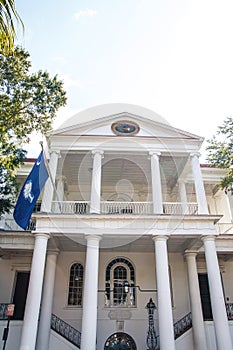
(220, 152)
(8, 15)
(28, 102)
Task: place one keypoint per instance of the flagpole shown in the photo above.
(50, 175)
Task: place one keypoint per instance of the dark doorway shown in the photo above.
(20, 294)
(120, 341)
(205, 296)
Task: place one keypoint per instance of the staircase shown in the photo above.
(66, 331)
(183, 325)
(180, 327)
(74, 336)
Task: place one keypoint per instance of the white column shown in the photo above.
(156, 183)
(96, 181)
(48, 189)
(183, 196)
(166, 330)
(222, 331)
(199, 186)
(31, 315)
(60, 188)
(47, 302)
(89, 317)
(199, 335)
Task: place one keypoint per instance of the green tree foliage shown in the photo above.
(8, 15)
(220, 152)
(28, 102)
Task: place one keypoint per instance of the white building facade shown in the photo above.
(130, 246)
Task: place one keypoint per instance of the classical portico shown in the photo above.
(127, 216)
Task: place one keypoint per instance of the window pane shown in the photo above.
(75, 285)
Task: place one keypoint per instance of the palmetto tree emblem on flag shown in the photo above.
(27, 192)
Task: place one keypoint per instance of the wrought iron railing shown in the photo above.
(3, 310)
(229, 309)
(121, 297)
(65, 330)
(180, 327)
(37, 207)
(183, 325)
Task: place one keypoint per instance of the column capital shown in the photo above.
(154, 153)
(42, 235)
(55, 151)
(61, 178)
(93, 237)
(195, 154)
(161, 238)
(97, 151)
(53, 252)
(208, 238)
(191, 253)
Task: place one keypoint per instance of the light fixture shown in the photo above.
(126, 286)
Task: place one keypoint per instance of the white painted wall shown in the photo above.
(185, 342)
(59, 343)
(8, 269)
(70, 314)
(14, 334)
(227, 273)
(181, 306)
(219, 205)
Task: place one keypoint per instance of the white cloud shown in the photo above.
(68, 81)
(85, 13)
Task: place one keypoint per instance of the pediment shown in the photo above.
(102, 127)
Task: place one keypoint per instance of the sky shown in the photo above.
(172, 56)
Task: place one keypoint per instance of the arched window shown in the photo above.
(76, 285)
(120, 283)
(120, 340)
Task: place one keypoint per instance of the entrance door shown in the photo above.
(20, 294)
(205, 296)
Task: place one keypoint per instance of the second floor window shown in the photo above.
(120, 283)
(76, 285)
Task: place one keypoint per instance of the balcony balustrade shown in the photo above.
(107, 207)
(71, 207)
(126, 207)
(174, 208)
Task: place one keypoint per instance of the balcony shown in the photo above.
(116, 208)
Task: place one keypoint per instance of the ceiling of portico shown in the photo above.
(125, 244)
(77, 169)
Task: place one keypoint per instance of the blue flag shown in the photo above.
(30, 192)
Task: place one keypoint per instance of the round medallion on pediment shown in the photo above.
(125, 128)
